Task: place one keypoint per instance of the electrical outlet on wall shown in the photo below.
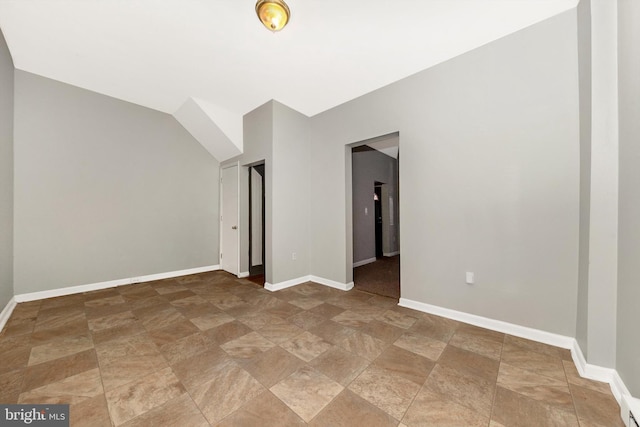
(469, 278)
(294, 256)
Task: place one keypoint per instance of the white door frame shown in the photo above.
(223, 220)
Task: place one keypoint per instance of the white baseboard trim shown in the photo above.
(391, 253)
(629, 404)
(286, 284)
(33, 296)
(243, 275)
(586, 370)
(5, 314)
(364, 262)
(320, 280)
(111, 284)
(332, 283)
(496, 325)
(594, 372)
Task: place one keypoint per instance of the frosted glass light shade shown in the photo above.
(274, 14)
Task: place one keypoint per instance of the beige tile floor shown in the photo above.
(210, 349)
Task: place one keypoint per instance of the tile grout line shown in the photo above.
(573, 400)
(495, 390)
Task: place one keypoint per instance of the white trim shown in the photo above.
(33, 296)
(286, 284)
(598, 373)
(496, 325)
(586, 370)
(5, 314)
(111, 283)
(364, 262)
(220, 219)
(629, 404)
(578, 358)
(320, 280)
(178, 273)
(618, 387)
(243, 275)
(391, 253)
(332, 283)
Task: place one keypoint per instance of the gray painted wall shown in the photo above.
(6, 173)
(628, 348)
(291, 196)
(257, 148)
(584, 71)
(105, 189)
(279, 136)
(489, 181)
(368, 167)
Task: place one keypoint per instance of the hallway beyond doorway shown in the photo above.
(381, 277)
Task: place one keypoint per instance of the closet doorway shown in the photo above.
(256, 224)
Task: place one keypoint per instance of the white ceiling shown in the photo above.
(161, 53)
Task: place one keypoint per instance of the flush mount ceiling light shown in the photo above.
(274, 14)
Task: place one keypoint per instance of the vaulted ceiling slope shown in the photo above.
(162, 53)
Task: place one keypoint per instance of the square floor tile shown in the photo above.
(228, 332)
(247, 346)
(538, 387)
(280, 332)
(58, 369)
(595, 408)
(71, 390)
(231, 388)
(273, 365)
(331, 332)
(509, 407)
(431, 409)
(306, 346)
(470, 362)
(132, 399)
(349, 409)
(306, 392)
(427, 347)
(393, 394)
(435, 327)
(406, 364)
(479, 340)
(264, 410)
(397, 319)
(467, 390)
(340, 365)
(363, 345)
(305, 303)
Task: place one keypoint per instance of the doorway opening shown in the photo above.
(256, 224)
(375, 214)
(377, 202)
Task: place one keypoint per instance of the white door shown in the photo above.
(229, 221)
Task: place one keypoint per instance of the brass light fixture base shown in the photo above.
(274, 14)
